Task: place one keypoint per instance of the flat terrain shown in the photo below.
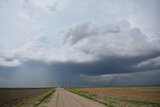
(64, 98)
(10, 97)
(147, 96)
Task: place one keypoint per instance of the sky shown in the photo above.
(47, 43)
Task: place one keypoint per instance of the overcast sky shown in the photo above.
(79, 42)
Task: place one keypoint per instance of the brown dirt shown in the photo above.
(63, 98)
(148, 93)
(147, 96)
(12, 97)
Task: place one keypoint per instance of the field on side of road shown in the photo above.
(146, 96)
(10, 97)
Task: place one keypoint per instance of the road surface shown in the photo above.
(63, 98)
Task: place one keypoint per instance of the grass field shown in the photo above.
(17, 97)
(146, 96)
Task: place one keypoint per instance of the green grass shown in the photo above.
(93, 97)
(36, 101)
(45, 98)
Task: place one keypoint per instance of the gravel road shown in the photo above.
(63, 98)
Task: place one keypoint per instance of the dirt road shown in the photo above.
(63, 98)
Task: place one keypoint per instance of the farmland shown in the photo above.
(10, 97)
(147, 96)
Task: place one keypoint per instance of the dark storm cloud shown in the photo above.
(7, 69)
(138, 78)
(107, 65)
(38, 73)
(104, 65)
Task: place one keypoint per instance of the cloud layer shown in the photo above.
(79, 40)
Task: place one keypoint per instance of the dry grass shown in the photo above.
(125, 96)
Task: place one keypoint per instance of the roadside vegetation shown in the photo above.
(147, 96)
(38, 100)
(92, 97)
(20, 97)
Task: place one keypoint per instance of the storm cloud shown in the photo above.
(49, 43)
